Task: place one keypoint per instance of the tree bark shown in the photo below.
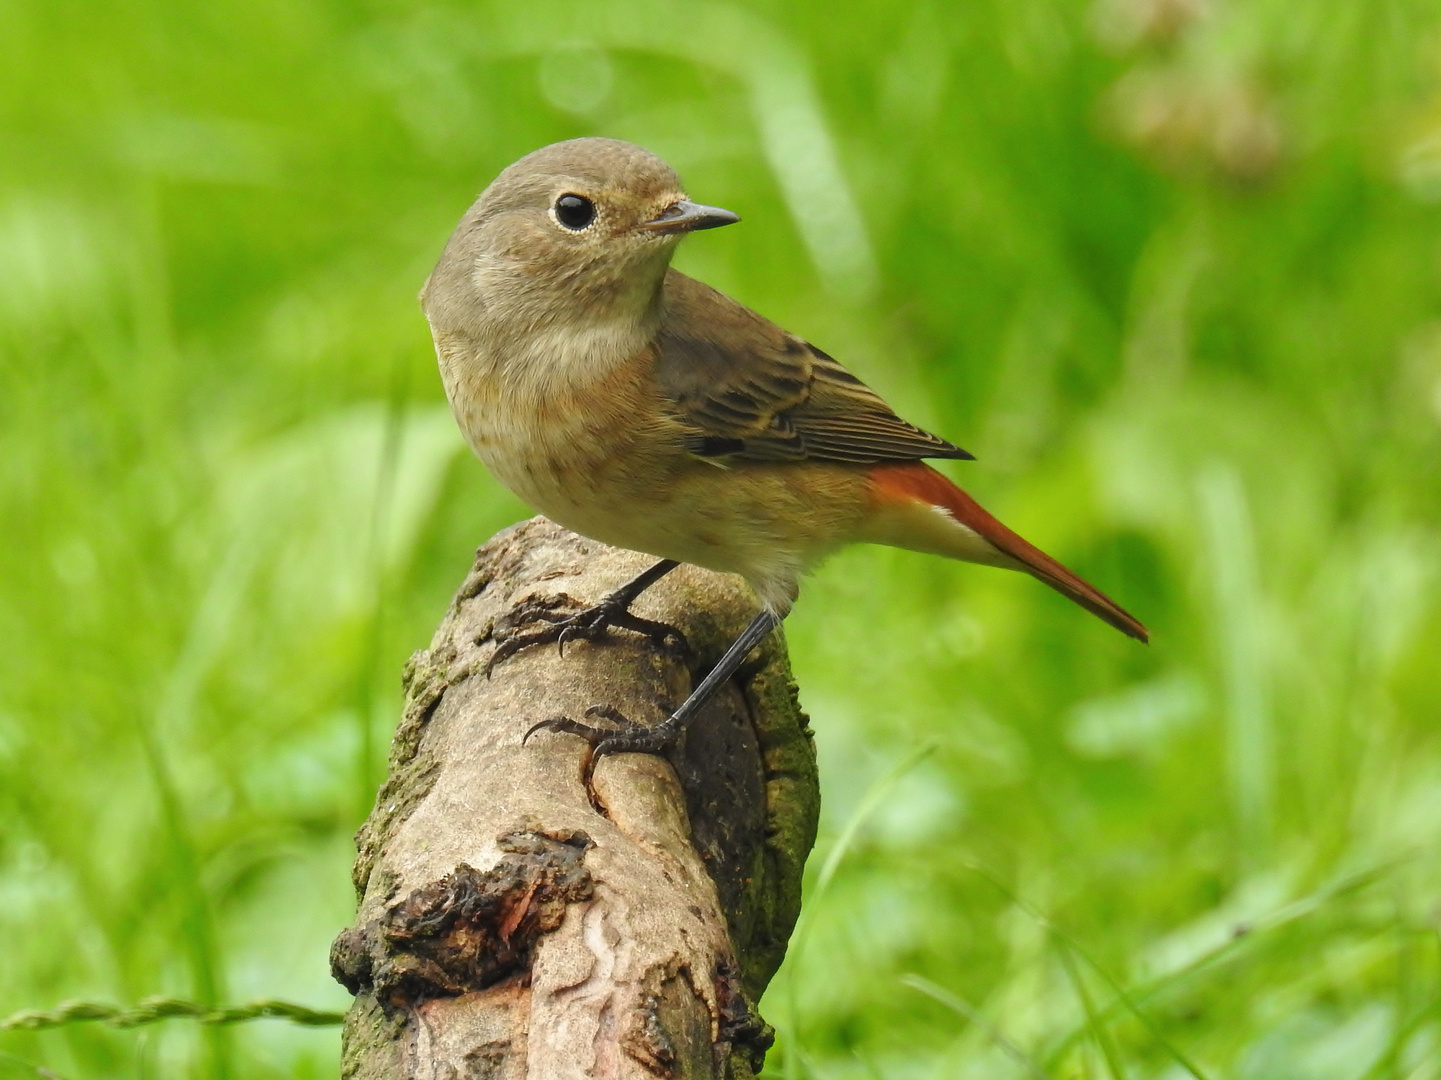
(507, 927)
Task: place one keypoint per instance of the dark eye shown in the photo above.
(574, 211)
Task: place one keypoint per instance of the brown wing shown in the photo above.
(747, 390)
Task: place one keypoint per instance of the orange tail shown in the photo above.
(906, 500)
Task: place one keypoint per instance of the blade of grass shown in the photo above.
(1388, 1062)
(204, 640)
(868, 806)
(1121, 999)
(1124, 1000)
(869, 803)
(196, 921)
(1283, 916)
(957, 1004)
(373, 644)
(1093, 1022)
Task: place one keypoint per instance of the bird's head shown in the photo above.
(576, 232)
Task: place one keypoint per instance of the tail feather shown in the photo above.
(919, 482)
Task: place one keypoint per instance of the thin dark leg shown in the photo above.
(587, 624)
(643, 581)
(631, 737)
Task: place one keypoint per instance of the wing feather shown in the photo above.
(746, 390)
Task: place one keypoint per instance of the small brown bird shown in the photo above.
(644, 409)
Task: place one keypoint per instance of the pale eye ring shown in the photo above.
(574, 212)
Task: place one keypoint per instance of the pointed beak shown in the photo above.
(686, 216)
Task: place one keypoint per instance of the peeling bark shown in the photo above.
(507, 927)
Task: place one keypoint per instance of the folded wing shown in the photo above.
(745, 390)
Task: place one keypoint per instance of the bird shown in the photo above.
(646, 410)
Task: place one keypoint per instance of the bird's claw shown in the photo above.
(626, 737)
(576, 624)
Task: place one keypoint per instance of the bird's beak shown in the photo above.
(686, 216)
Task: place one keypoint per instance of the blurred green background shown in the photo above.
(1170, 268)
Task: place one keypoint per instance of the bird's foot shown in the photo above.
(560, 622)
(625, 736)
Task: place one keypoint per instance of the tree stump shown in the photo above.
(508, 926)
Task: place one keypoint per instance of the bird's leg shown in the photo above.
(587, 624)
(627, 736)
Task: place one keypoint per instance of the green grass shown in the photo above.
(1178, 289)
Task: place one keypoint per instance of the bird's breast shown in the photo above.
(567, 424)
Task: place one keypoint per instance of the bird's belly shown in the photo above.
(587, 464)
(767, 523)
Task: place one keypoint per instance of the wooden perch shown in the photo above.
(508, 928)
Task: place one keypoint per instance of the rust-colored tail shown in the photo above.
(919, 482)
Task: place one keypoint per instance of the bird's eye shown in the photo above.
(575, 212)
